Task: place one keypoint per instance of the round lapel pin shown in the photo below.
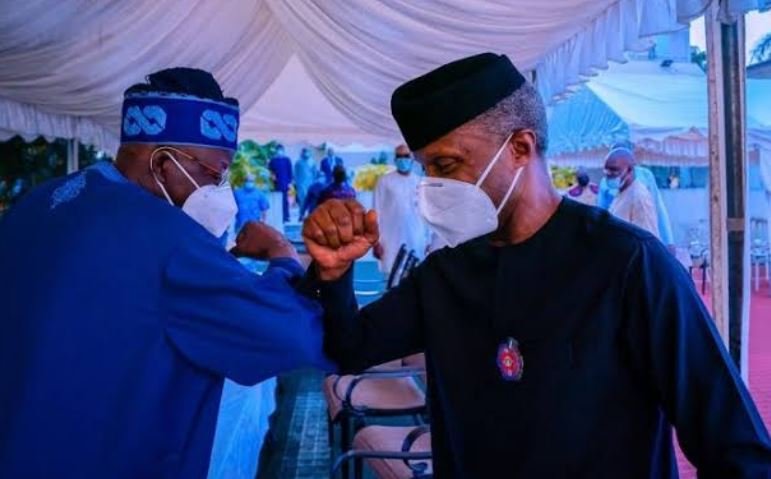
(510, 361)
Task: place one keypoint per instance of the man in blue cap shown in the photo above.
(122, 313)
(538, 366)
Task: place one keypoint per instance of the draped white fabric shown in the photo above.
(662, 110)
(65, 64)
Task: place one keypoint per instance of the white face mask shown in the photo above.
(458, 211)
(212, 206)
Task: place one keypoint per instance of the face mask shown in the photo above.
(249, 185)
(458, 211)
(212, 206)
(614, 185)
(404, 165)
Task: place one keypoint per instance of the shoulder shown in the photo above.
(639, 191)
(604, 232)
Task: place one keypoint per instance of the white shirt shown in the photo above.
(635, 205)
(396, 203)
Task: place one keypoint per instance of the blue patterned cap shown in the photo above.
(175, 119)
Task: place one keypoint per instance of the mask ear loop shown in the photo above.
(184, 171)
(493, 161)
(511, 190)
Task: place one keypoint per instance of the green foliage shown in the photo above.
(381, 159)
(563, 177)
(253, 158)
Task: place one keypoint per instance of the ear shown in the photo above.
(524, 145)
(160, 163)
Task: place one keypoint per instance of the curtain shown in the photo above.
(66, 64)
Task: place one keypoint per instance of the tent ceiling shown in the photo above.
(65, 64)
(662, 110)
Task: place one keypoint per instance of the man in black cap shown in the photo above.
(535, 371)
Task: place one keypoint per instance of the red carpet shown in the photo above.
(759, 361)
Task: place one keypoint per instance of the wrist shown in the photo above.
(283, 250)
(331, 274)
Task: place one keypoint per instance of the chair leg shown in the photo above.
(358, 468)
(331, 439)
(345, 442)
(756, 275)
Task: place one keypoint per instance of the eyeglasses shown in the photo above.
(220, 177)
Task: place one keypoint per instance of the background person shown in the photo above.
(632, 201)
(395, 201)
(339, 189)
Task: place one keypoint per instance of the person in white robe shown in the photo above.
(633, 203)
(396, 204)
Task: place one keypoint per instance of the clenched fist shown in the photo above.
(260, 241)
(338, 233)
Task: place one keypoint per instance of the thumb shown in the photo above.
(371, 228)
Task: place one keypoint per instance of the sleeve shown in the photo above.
(377, 200)
(227, 320)
(665, 226)
(388, 329)
(675, 345)
(263, 204)
(644, 215)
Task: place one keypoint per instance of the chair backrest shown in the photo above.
(409, 265)
(396, 268)
(759, 232)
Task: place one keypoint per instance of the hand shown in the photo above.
(260, 241)
(377, 251)
(338, 233)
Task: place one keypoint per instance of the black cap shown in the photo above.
(430, 106)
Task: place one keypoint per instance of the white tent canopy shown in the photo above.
(662, 110)
(66, 64)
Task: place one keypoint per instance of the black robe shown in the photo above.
(617, 347)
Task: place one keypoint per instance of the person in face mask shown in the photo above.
(645, 176)
(252, 203)
(126, 314)
(537, 365)
(632, 202)
(395, 201)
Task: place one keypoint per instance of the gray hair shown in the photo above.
(523, 109)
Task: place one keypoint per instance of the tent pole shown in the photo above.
(73, 161)
(727, 160)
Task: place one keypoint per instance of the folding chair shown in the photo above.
(391, 452)
(409, 265)
(760, 251)
(397, 267)
(389, 390)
